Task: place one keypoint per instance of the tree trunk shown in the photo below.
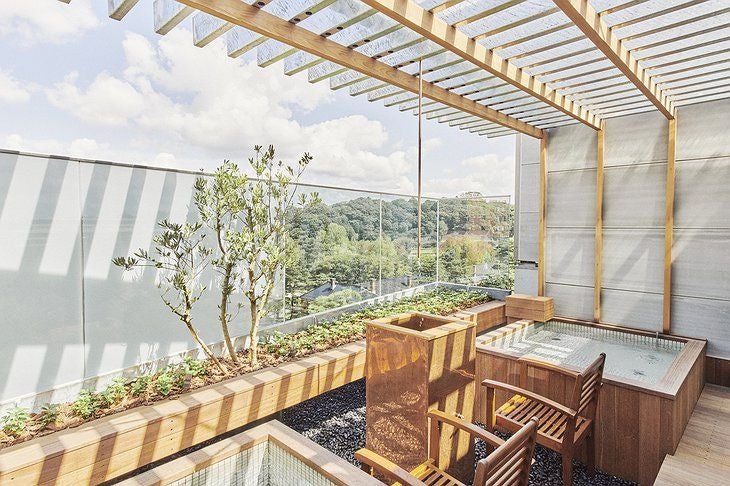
(225, 295)
(254, 334)
(204, 347)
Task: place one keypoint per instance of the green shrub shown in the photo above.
(15, 421)
(49, 414)
(140, 385)
(194, 367)
(165, 381)
(87, 404)
(115, 391)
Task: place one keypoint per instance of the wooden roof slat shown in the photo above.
(589, 21)
(409, 14)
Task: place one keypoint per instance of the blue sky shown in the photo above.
(74, 82)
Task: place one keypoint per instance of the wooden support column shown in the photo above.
(542, 220)
(598, 254)
(669, 225)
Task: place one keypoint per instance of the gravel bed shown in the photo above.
(336, 421)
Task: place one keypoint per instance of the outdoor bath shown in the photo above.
(650, 386)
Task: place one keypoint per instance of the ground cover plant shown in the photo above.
(19, 424)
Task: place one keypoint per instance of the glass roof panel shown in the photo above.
(459, 69)
(653, 10)
(718, 22)
(546, 54)
(690, 52)
(524, 30)
(542, 42)
(509, 16)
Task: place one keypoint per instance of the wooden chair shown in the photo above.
(561, 428)
(508, 465)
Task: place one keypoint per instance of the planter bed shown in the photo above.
(111, 446)
(123, 441)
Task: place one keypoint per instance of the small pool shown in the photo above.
(630, 356)
(650, 384)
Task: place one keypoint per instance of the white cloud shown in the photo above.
(52, 21)
(107, 101)
(488, 174)
(11, 90)
(182, 101)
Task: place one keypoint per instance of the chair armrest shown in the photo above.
(533, 396)
(387, 468)
(472, 429)
(533, 363)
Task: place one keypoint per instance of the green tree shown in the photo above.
(219, 201)
(180, 254)
(262, 240)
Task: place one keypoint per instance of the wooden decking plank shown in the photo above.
(703, 454)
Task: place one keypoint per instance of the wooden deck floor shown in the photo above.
(703, 455)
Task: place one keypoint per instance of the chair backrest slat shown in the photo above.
(510, 464)
(587, 387)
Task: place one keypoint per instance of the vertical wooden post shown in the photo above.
(420, 133)
(542, 221)
(669, 225)
(598, 254)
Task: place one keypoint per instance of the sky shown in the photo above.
(74, 82)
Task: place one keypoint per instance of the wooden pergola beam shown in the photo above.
(595, 29)
(271, 26)
(425, 23)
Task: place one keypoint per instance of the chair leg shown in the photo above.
(567, 469)
(591, 454)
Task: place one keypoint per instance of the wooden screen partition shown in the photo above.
(417, 362)
(109, 447)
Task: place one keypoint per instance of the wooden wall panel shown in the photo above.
(717, 371)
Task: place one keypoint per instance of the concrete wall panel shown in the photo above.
(569, 255)
(702, 198)
(572, 147)
(571, 199)
(633, 260)
(703, 130)
(636, 139)
(634, 196)
(701, 265)
(705, 319)
(571, 301)
(639, 310)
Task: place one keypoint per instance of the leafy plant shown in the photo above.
(140, 384)
(165, 382)
(114, 392)
(179, 252)
(87, 404)
(194, 367)
(219, 202)
(49, 414)
(15, 421)
(261, 241)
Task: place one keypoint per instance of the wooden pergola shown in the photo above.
(492, 67)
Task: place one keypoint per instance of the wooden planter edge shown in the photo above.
(108, 447)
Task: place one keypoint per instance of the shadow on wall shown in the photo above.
(67, 312)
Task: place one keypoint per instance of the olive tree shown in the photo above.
(261, 242)
(181, 257)
(219, 201)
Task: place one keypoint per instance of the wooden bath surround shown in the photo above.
(637, 424)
